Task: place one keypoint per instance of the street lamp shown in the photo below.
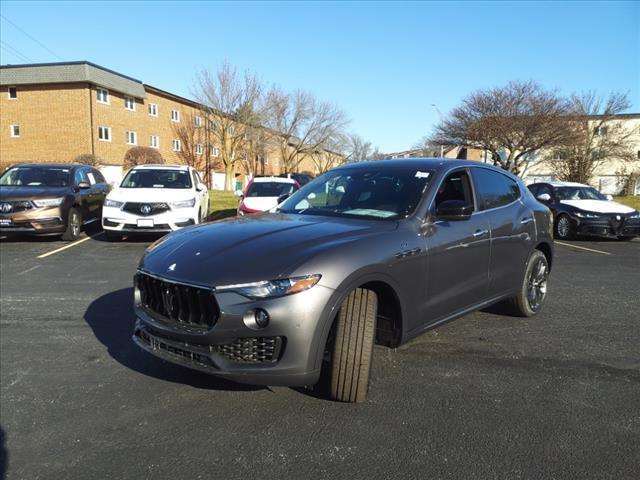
(441, 120)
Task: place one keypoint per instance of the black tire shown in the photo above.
(533, 291)
(74, 225)
(564, 229)
(353, 347)
(112, 236)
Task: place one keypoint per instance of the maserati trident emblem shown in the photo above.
(5, 207)
(167, 300)
(618, 217)
(145, 209)
(171, 267)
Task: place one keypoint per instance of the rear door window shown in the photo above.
(494, 189)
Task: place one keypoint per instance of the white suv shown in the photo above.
(157, 199)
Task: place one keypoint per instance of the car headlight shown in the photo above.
(184, 203)
(586, 215)
(48, 202)
(272, 288)
(635, 215)
(113, 203)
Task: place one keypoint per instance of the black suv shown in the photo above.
(50, 199)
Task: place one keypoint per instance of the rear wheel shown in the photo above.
(74, 225)
(353, 346)
(533, 290)
(564, 229)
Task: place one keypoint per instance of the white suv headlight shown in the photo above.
(48, 202)
(272, 288)
(184, 203)
(113, 203)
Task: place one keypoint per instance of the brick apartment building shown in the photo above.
(55, 112)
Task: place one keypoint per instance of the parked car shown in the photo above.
(301, 178)
(50, 199)
(155, 199)
(263, 193)
(582, 210)
(368, 252)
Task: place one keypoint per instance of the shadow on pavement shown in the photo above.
(4, 455)
(111, 318)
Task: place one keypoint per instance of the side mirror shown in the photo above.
(200, 187)
(454, 210)
(282, 198)
(609, 197)
(544, 197)
(238, 193)
(84, 185)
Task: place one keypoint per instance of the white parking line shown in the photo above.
(583, 248)
(77, 242)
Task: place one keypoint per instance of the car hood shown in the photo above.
(598, 206)
(27, 193)
(252, 248)
(150, 194)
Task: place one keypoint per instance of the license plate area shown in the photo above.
(5, 222)
(145, 223)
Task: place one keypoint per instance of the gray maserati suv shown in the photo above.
(368, 253)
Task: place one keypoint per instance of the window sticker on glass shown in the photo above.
(92, 179)
(420, 174)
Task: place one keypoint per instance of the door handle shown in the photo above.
(480, 233)
(526, 220)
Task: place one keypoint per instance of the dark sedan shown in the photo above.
(582, 210)
(374, 252)
(48, 199)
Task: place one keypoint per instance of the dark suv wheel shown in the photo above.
(74, 225)
(564, 228)
(533, 290)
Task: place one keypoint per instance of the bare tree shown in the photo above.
(231, 103)
(88, 159)
(597, 137)
(305, 124)
(358, 149)
(191, 133)
(331, 155)
(512, 122)
(255, 150)
(141, 156)
(377, 154)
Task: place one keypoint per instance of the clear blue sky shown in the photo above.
(385, 64)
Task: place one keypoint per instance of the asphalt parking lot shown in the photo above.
(487, 396)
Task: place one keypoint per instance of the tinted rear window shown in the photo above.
(270, 189)
(494, 189)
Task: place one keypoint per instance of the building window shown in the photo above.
(12, 93)
(176, 145)
(153, 109)
(638, 154)
(214, 151)
(130, 103)
(104, 134)
(601, 130)
(102, 94)
(199, 149)
(154, 141)
(132, 138)
(231, 130)
(197, 121)
(245, 157)
(14, 130)
(265, 160)
(175, 116)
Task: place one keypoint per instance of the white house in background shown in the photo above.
(610, 176)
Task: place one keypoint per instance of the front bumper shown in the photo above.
(284, 352)
(608, 226)
(117, 220)
(37, 221)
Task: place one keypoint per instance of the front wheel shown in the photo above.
(353, 347)
(533, 290)
(564, 229)
(74, 225)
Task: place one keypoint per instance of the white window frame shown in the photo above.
(131, 137)
(176, 145)
(175, 116)
(198, 149)
(231, 130)
(131, 100)
(12, 130)
(197, 120)
(104, 129)
(9, 92)
(154, 139)
(105, 93)
(155, 109)
(215, 151)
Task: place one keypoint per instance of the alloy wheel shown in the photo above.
(75, 224)
(537, 284)
(564, 227)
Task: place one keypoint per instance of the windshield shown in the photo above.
(385, 193)
(579, 193)
(148, 178)
(270, 189)
(36, 177)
